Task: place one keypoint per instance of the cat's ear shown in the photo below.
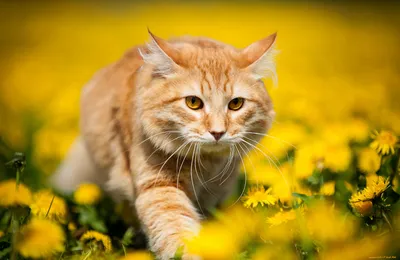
(258, 58)
(163, 55)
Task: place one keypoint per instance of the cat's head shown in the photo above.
(202, 92)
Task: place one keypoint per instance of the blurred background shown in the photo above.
(338, 61)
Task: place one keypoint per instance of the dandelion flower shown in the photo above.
(365, 208)
(337, 157)
(87, 194)
(283, 217)
(40, 238)
(325, 223)
(369, 161)
(1, 234)
(99, 239)
(328, 188)
(257, 196)
(71, 226)
(41, 206)
(358, 130)
(376, 185)
(138, 255)
(384, 142)
(213, 242)
(11, 196)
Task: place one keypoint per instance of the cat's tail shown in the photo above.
(76, 168)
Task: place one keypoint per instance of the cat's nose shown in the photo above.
(217, 135)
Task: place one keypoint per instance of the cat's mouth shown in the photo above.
(213, 147)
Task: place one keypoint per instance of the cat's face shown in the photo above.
(207, 94)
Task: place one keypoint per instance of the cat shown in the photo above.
(166, 127)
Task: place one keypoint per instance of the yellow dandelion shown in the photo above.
(71, 226)
(1, 234)
(87, 194)
(101, 240)
(258, 195)
(325, 223)
(328, 188)
(284, 216)
(376, 185)
(138, 255)
(309, 157)
(384, 142)
(40, 238)
(213, 242)
(358, 130)
(365, 208)
(337, 157)
(369, 161)
(41, 206)
(11, 196)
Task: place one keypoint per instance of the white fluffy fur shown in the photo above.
(265, 66)
(158, 58)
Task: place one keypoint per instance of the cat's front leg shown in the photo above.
(168, 217)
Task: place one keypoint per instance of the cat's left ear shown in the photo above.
(258, 58)
(162, 54)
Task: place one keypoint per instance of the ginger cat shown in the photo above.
(167, 126)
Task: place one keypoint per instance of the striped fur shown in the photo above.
(151, 149)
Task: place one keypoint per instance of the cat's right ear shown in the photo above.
(162, 55)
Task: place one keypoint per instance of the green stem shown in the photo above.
(86, 257)
(387, 220)
(17, 178)
(51, 204)
(14, 230)
(396, 170)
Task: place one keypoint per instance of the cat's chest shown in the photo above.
(213, 180)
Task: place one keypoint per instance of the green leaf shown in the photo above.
(303, 197)
(178, 254)
(5, 252)
(88, 216)
(243, 256)
(127, 238)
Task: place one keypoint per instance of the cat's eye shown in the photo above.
(236, 103)
(194, 102)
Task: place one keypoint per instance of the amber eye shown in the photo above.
(194, 102)
(236, 103)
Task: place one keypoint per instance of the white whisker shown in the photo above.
(271, 136)
(230, 172)
(270, 160)
(197, 151)
(193, 186)
(177, 150)
(180, 168)
(158, 149)
(245, 177)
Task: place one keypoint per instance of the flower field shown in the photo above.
(323, 184)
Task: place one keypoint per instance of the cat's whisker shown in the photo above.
(193, 186)
(269, 152)
(200, 178)
(271, 136)
(270, 160)
(158, 149)
(201, 163)
(177, 150)
(245, 178)
(227, 165)
(223, 171)
(183, 161)
(248, 156)
(230, 172)
(164, 132)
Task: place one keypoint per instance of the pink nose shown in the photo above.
(217, 135)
